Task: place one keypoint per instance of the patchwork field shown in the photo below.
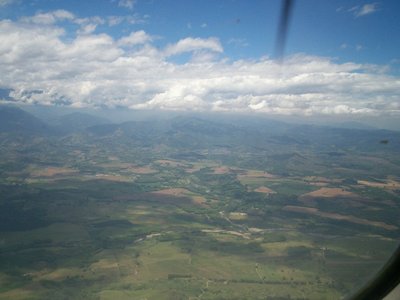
(100, 215)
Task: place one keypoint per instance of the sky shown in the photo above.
(341, 57)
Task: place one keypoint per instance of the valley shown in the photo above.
(194, 208)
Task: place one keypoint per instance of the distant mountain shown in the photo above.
(353, 125)
(361, 139)
(13, 119)
(77, 121)
(199, 133)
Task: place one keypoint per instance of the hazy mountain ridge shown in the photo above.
(77, 121)
(283, 147)
(201, 132)
(14, 119)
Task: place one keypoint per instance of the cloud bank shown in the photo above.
(43, 64)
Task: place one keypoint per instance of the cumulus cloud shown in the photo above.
(50, 17)
(135, 38)
(194, 44)
(131, 19)
(93, 69)
(87, 29)
(86, 25)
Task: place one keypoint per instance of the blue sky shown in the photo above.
(342, 57)
(248, 28)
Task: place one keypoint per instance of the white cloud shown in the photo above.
(193, 44)
(364, 10)
(115, 20)
(96, 20)
(356, 47)
(237, 42)
(131, 19)
(126, 3)
(354, 9)
(87, 29)
(135, 38)
(86, 25)
(367, 9)
(94, 69)
(50, 17)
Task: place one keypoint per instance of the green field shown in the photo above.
(100, 217)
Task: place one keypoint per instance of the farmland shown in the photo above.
(132, 211)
